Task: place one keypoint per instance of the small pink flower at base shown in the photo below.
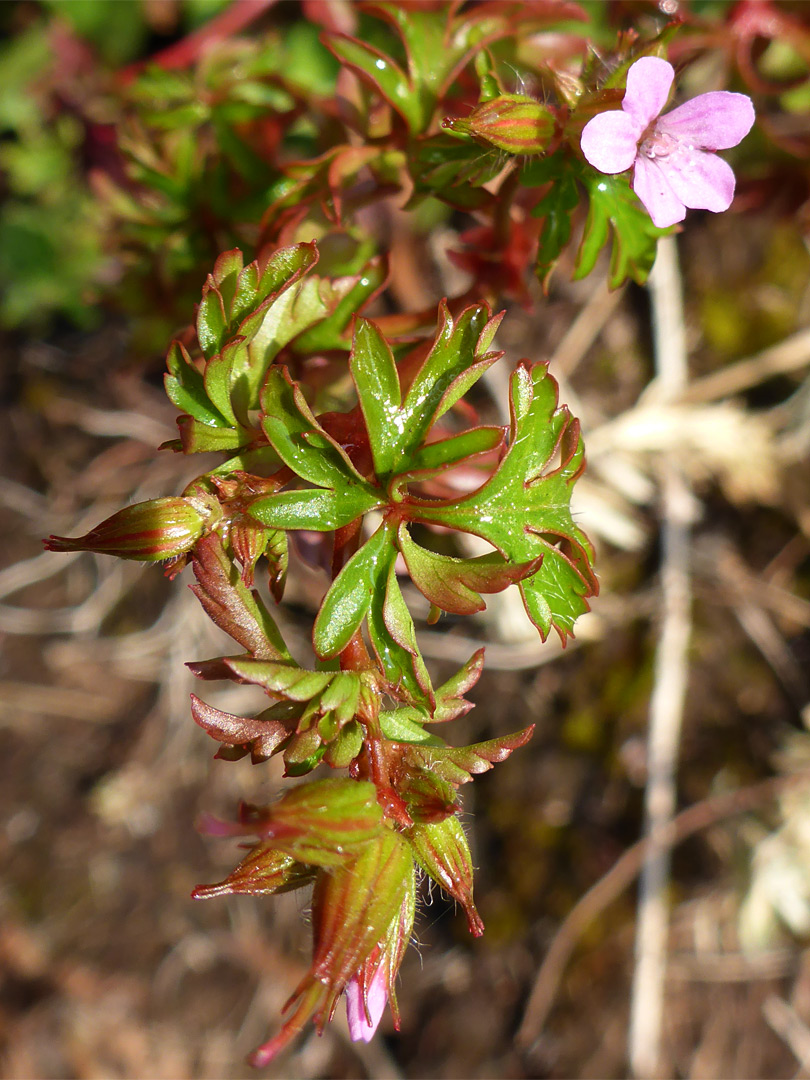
(364, 1010)
(673, 156)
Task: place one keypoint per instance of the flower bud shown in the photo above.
(148, 531)
(513, 122)
(441, 849)
(264, 871)
(362, 915)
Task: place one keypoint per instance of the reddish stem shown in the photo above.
(182, 54)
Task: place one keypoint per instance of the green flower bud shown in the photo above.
(264, 871)
(513, 122)
(148, 531)
(441, 849)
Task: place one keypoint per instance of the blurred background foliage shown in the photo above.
(130, 156)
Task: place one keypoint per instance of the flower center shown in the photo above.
(657, 144)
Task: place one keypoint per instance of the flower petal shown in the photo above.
(701, 181)
(660, 201)
(712, 121)
(359, 1026)
(648, 84)
(610, 141)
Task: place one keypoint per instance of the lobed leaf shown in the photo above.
(523, 508)
(615, 212)
(454, 584)
(397, 424)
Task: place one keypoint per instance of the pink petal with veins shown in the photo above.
(649, 81)
(359, 1025)
(660, 201)
(712, 121)
(701, 181)
(610, 141)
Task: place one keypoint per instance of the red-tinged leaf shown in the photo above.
(304, 752)
(441, 849)
(261, 736)
(212, 670)
(450, 700)
(231, 606)
(454, 584)
(458, 765)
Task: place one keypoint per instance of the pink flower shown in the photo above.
(364, 1016)
(673, 155)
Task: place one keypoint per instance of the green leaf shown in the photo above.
(201, 438)
(382, 73)
(318, 509)
(397, 428)
(435, 457)
(456, 584)
(400, 725)
(342, 696)
(346, 603)
(287, 680)
(298, 438)
(375, 376)
(523, 508)
(185, 388)
(342, 751)
(615, 210)
(342, 494)
(556, 207)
